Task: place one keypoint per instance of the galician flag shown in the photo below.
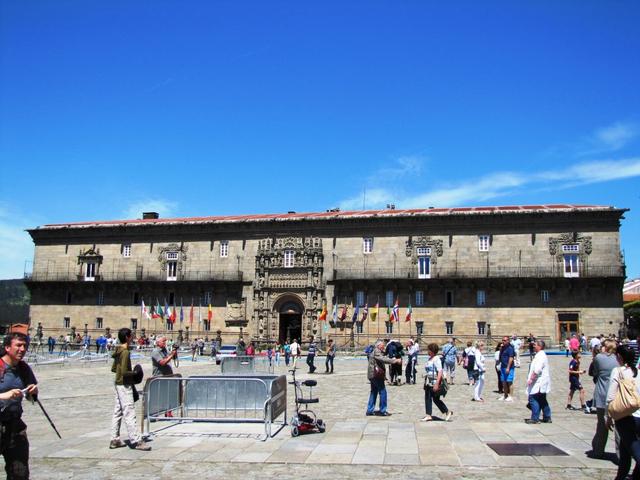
(334, 314)
(408, 317)
(395, 313)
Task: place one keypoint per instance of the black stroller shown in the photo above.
(304, 420)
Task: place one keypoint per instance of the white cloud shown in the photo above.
(616, 136)
(402, 167)
(502, 184)
(165, 208)
(374, 198)
(16, 244)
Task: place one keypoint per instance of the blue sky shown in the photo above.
(202, 108)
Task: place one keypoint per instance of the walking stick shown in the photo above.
(48, 418)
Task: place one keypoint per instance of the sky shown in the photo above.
(197, 108)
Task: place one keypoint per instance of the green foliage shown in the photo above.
(14, 302)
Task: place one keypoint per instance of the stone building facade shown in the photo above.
(466, 272)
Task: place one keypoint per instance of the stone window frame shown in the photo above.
(419, 328)
(389, 298)
(484, 242)
(545, 296)
(288, 258)
(389, 327)
(447, 294)
(361, 298)
(66, 322)
(134, 323)
(126, 250)
(100, 299)
(99, 323)
(224, 248)
(482, 328)
(420, 298)
(367, 245)
(481, 298)
(448, 327)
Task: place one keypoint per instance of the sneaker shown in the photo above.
(369, 414)
(500, 398)
(383, 414)
(117, 444)
(509, 399)
(448, 416)
(142, 446)
(530, 421)
(546, 420)
(428, 418)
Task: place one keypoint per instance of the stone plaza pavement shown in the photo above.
(80, 402)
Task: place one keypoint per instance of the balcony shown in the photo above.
(483, 272)
(105, 276)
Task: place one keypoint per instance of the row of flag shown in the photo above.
(170, 313)
(392, 312)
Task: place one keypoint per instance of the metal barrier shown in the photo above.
(247, 365)
(217, 399)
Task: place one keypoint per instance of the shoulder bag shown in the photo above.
(626, 401)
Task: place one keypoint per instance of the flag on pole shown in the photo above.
(199, 310)
(389, 313)
(209, 313)
(408, 317)
(365, 312)
(356, 312)
(334, 314)
(144, 311)
(323, 313)
(181, 312)
(159, 311)
(395, 313)
(167, 312)
(191, 313)
(374, 312)
(343, 315)
(172, 317)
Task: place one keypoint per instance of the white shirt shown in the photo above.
(415, 348)
(594, 343)
(295, 348)
(613, 384)
(479, 360)
(431, 369)
(540, 370)
(517, 343)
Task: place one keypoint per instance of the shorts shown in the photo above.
(574, 384)
(507, 378)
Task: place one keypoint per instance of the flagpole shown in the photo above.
(377, 314)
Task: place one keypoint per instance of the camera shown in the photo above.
(175, 346)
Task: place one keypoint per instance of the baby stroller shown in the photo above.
(304, 420)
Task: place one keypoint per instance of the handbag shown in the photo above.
(378, 372)
(626, 401)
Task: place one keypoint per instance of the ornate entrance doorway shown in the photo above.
(290, 325)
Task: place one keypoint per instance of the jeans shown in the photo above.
(629, 429)
(310, 359)
(286, 358)
(377, 387)
(538, 401)
(328, 363)
(431, 396)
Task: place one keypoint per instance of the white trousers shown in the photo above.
(124, 409)
(477, 389)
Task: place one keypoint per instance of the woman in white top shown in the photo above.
(478, 370)
(628, 428)
(538, 385)
(432, 384)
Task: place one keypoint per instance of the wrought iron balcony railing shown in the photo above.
(106, 276)
(484, 272)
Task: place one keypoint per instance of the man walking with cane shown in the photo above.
(16, 382)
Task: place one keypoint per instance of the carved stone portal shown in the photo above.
(301, 274)
(583, 241)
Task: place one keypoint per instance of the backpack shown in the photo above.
(368, 350)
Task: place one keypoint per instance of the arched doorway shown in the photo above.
(290, 320)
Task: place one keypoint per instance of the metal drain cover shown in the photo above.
(528, 449)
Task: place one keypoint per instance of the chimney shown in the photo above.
(150, 215)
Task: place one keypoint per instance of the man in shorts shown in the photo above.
(507, 368)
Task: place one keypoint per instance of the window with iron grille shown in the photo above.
(367, 245)
(448, 328)
(224, 248)
(483, 243)
(419, 298)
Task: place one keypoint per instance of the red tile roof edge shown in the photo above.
(334, 215)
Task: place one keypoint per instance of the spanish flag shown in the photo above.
(210, 313)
